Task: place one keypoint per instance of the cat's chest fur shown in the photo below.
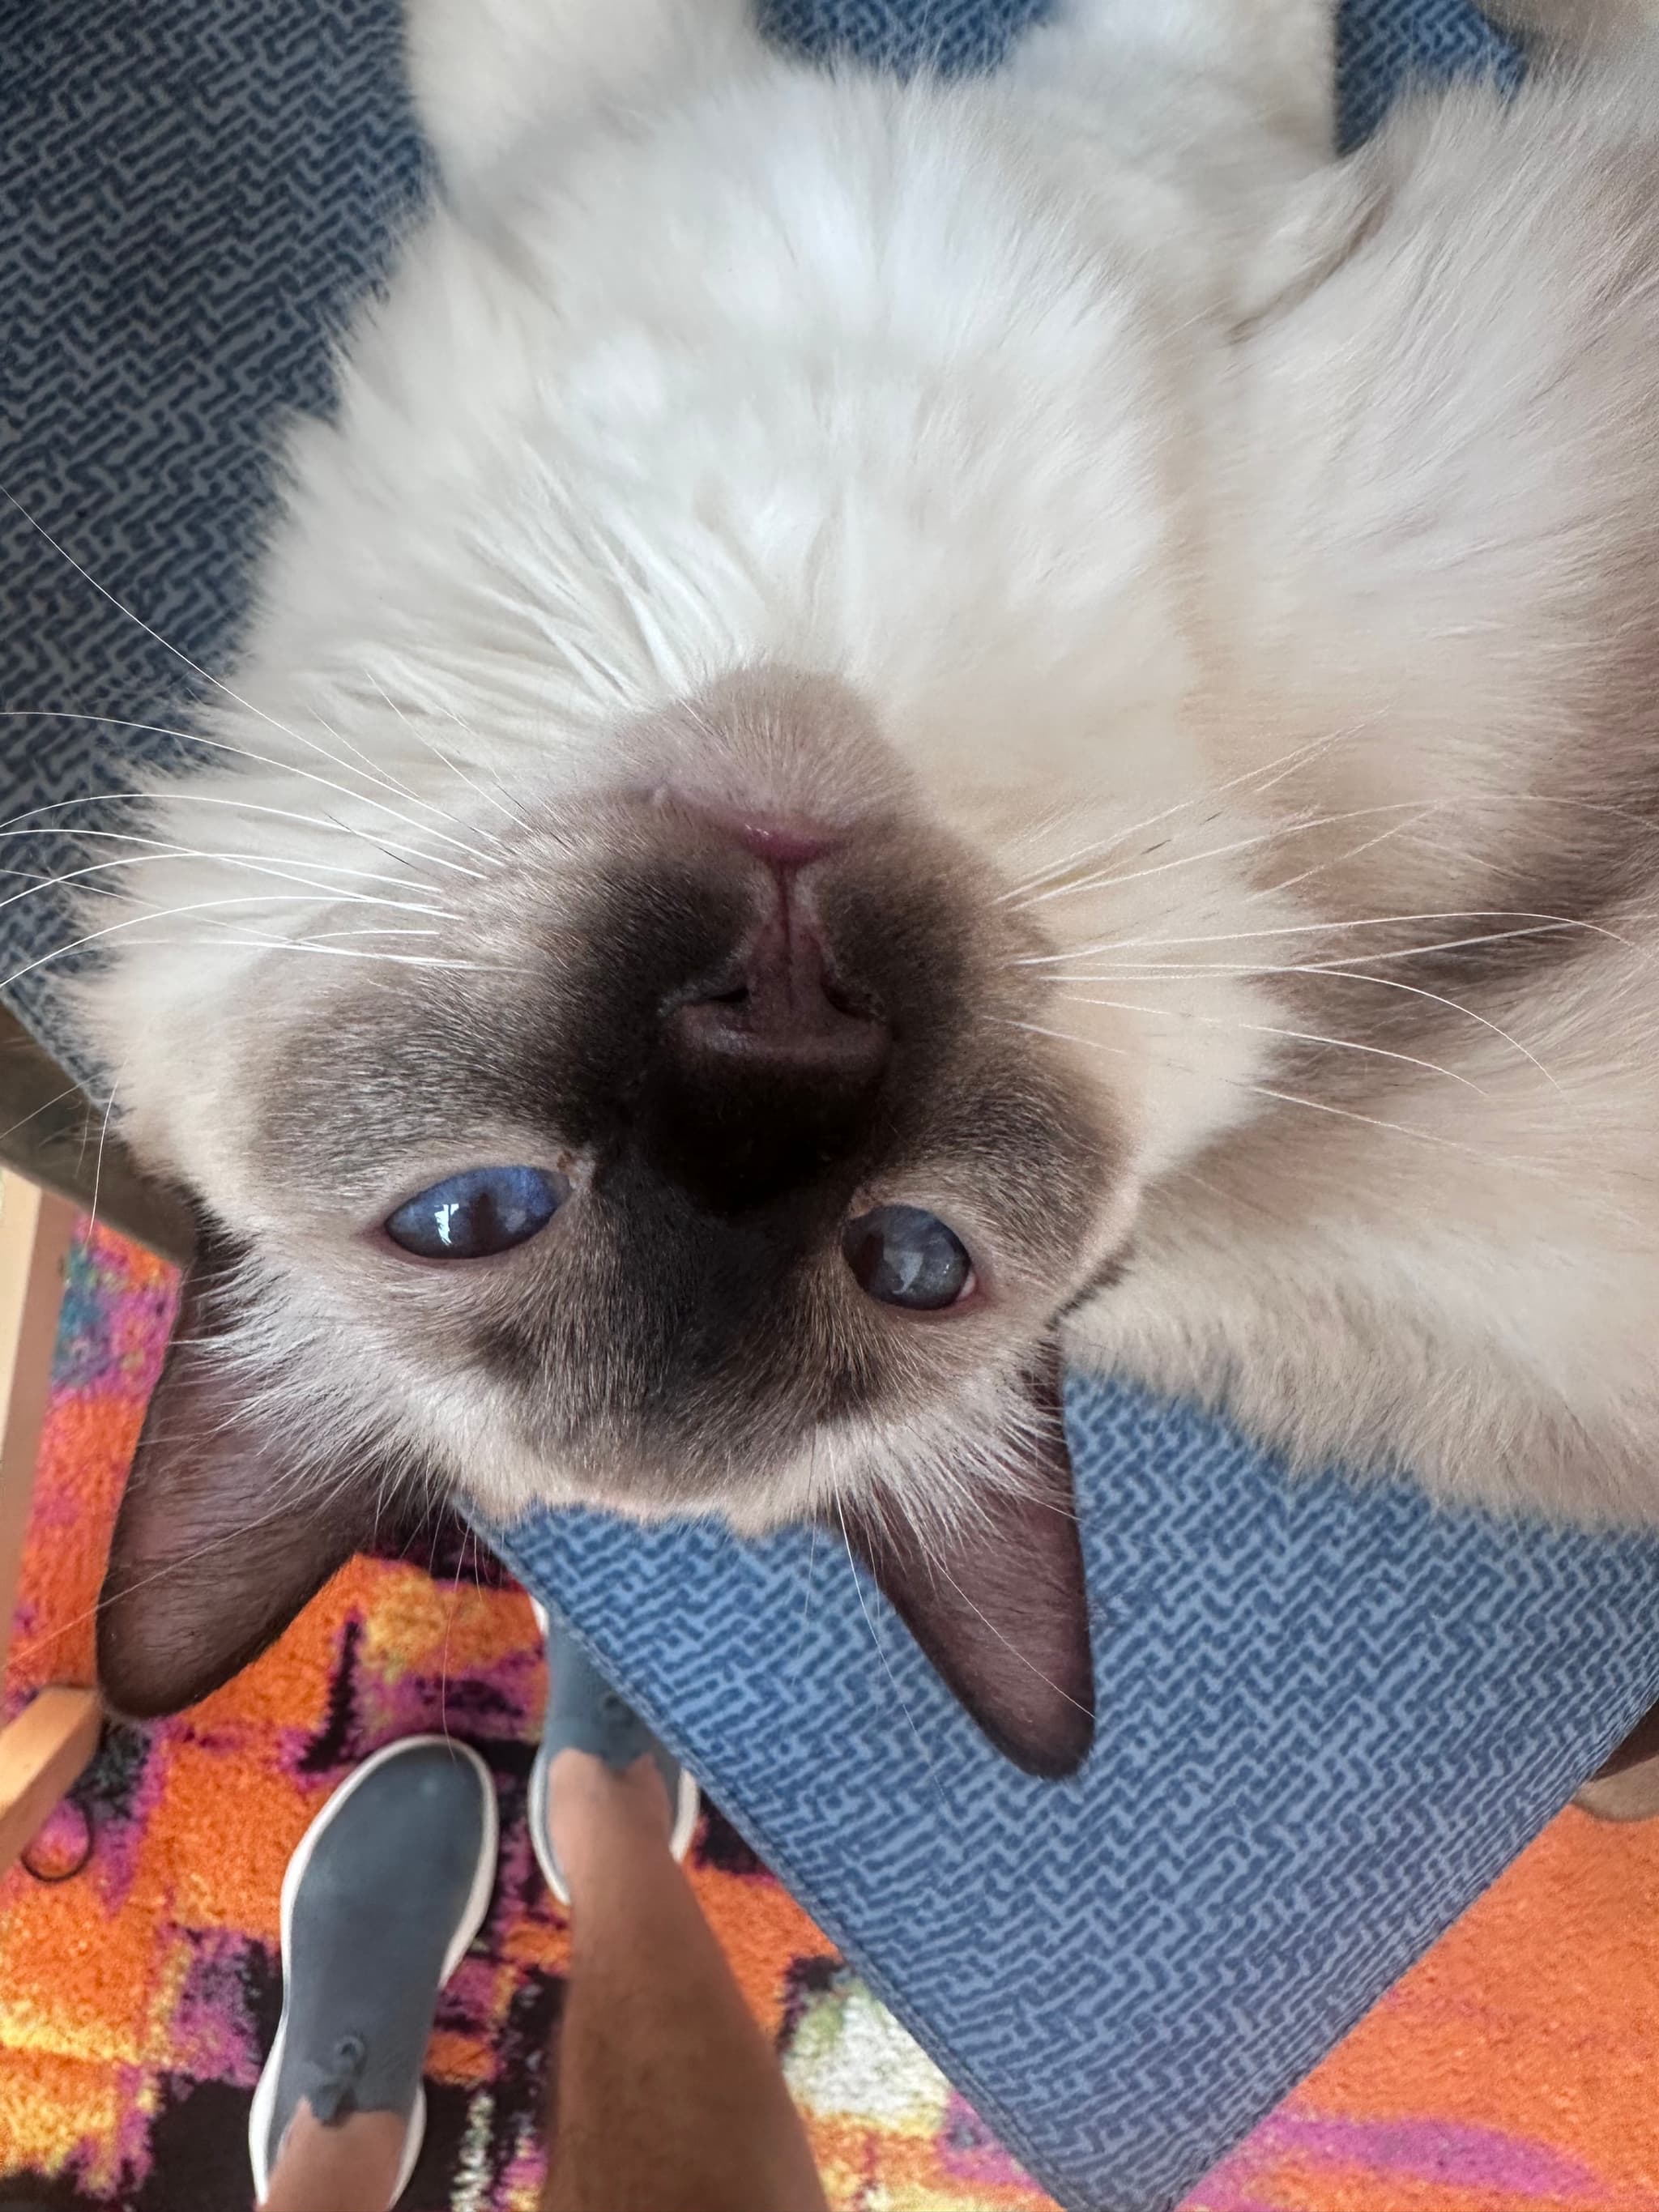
(786, 378)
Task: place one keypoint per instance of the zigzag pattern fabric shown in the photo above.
(1329, 1715)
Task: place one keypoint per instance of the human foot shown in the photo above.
(600, 1774)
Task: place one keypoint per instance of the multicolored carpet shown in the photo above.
(1513, 2072)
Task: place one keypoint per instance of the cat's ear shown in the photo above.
(1000, 1605)
(221, 1538)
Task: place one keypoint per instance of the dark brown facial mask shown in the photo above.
(220, 1539)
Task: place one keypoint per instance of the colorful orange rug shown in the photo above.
(1513, 2072)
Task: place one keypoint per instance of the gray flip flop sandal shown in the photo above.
(388, 1888)
(584, 1713)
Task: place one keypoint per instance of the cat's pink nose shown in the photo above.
(781, 840)
(782, 843)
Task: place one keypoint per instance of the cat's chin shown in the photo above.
(507, 1494)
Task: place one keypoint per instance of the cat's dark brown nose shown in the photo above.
(781, 1009)
(768, 1067)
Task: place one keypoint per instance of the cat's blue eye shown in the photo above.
(905, 1257)
(485, 1209)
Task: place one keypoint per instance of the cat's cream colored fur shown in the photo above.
(1253, 554)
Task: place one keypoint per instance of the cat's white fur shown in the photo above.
(1087, 421)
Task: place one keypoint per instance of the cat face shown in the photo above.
(797, 1191)
(721, 1163)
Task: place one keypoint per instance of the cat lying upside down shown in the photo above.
(901, 730)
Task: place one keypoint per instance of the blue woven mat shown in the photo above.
(1328, 1717)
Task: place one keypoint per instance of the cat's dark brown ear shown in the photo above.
(221, 1538)
(1001, 1607)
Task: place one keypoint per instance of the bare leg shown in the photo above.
(349, 2168)
(669, 2099)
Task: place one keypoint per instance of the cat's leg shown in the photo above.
(483, 72)
(1212, 123)
(1244, 69)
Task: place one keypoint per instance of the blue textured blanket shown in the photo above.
(1328, 1716)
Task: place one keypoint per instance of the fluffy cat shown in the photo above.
(903, 729)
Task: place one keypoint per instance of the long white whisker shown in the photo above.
(1270, 1029)
(1284, 764)
(136, 920)
(937, 1566)
(369, 929)
(57, 1098)
(1341, 859)
(313, 894)
(1151, 970)
(284, 1504)
(490, 798)
(269, 864)
(1067, 1037)
(892, 1678)
(1398, 1129)
(263, 760)
(1319, 928)
(218, 681)
(1218, 852)
(323, 949)
(1534, 1168)
(327, 824)
(1338, 962)
(103, 1144)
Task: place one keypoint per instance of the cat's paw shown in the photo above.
(1632, 1795)
(465, 61)
(482, 72)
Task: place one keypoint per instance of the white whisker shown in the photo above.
(1150, 971)
(1284, 764)
(490, 798)
(372, 929)
(262, 760)
(937, 1566)
(313, 894)
(893, 1679)
(1270, 1029)
(164, 849)
(1101, 883)
(219, 684)
(1536, 1169)
(329, 824)
(323, 949)
(103, 1144)
(1342, 860)
(136, 920)
(1538, 921)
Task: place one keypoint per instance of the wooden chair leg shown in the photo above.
(47, 1746)
(41, 1753)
